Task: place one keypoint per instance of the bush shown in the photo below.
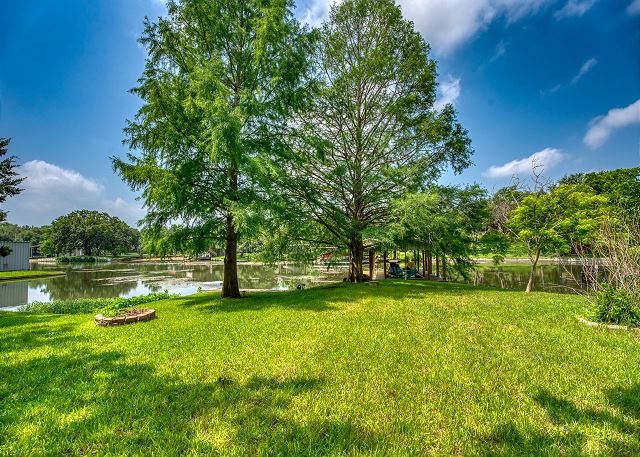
(105, 306)
(113, 309)
(82, 258)
(615, 306)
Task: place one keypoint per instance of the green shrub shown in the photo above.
(105, 306)
(615, 306)
(82, 258)
(113, 308)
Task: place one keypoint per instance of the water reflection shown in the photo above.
(127, 280)
(131, 279)
(550, 278)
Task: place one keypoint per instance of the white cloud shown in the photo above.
(584, 69)
(43, 176)
(547, 158)
(574, 8)
(445, 24)
(51, 191)
(316, 12)
(448, 93)
(501, 49)
(601, 127)
(634, 7)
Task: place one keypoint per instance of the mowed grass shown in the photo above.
(26, 274)
(404, 368)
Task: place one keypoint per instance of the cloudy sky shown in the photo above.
(557, 81)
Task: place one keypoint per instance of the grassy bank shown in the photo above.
(404, 368)
(27, 274)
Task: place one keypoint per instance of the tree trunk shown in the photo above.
(384, 264)
(372, 265)
(437, 266)
(533, 271)
(443, 259)
(429, 265)
(357, 255)
(230, 287)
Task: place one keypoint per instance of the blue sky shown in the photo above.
(558, 80)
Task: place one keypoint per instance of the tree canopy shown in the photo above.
(25, 233)
(372, 132)
(444, 221)
(94, 232)
(220, 82)
(553, 221)
(9, 180)
(621, 186)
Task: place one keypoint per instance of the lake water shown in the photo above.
(549, 278)
(105, 280)
(131, 279)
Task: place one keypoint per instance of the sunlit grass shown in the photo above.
(403, 368)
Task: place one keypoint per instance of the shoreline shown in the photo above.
(32, 276)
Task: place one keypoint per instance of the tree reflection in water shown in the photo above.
(127, 279)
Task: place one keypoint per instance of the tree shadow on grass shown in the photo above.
(15, 318)
(627, 399)
(101, 402)
(28, 331)
(508, 439)
(313, 299)
(327, 298)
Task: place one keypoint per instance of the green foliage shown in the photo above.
(615, 306)
(81, 258)
(405, 368)
(94, 232)
(372, 134)
(443, 221)
(220, 83)
(5, 251)
(495, 244)
(9, 180)
(91, 305)
(621, 187)
(567, 216)
(115, 306)
(25, 233)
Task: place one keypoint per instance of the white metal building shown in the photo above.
(19, 257)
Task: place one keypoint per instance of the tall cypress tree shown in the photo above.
(221, 79)
(373, 133)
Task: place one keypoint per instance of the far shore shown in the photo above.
(28, 274)
(565, 261)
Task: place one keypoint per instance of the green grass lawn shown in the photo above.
(26, 274)
(404, 368)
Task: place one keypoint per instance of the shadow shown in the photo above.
(312, 299)
(328, 297)
(99, 402)
(626, 399)
(13, 318)
(29, 331)
(568, 435)
(563, 411)
(508, 440)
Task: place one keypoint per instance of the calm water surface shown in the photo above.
(105, 280)
(131, 279)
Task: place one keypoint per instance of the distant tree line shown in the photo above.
(95, 233)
